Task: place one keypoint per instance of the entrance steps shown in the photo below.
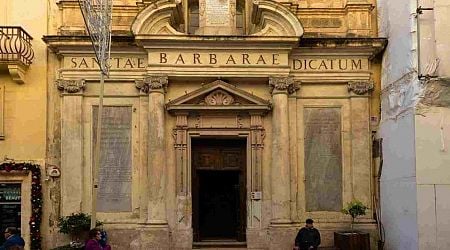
(231, 245)
(219, 245)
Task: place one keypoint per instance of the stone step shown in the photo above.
(227, 245)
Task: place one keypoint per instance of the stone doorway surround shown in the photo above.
(218, 110)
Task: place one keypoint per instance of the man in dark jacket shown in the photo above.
(308, 238)
(13, 239)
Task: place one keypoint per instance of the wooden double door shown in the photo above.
(219, 189)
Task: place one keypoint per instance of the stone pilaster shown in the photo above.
(156, 86)
(280, 169)
(183, 232)
(257, 135)
(71, 145)
(361, 139)
(143, 157)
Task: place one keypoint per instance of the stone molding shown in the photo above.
(360, 87)
(283, 84)
(272, 18)
(71, 86)
(219, 97)
(153, 83)
(161, 17)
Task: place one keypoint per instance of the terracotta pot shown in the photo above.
(352, 240)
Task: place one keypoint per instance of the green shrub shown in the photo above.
(75, 224)
(354, 209)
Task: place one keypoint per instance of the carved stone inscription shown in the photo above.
(217, 12)
(114, 193)
(323, 159)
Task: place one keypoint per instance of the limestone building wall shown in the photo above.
(296, 63)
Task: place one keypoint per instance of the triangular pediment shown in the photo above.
(219, 95)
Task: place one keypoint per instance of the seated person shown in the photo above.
(93, 243)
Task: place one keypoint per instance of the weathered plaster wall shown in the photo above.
(432, 129)
(416, 177)
(399, 92)
(398, 183)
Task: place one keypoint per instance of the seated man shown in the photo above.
(308, 238)
(13, 239)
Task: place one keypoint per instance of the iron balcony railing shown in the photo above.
(15, 45)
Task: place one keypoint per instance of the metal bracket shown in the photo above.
(420, 10)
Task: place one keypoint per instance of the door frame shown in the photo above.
(190, 126)
(242, 180)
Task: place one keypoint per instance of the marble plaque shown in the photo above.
(114, 194)
(217, 12)
(323, 159)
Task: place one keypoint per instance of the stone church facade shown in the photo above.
(225, 121)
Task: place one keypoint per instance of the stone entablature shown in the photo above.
(342, 58)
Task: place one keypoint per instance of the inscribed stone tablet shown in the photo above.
(114, 194)
(323, 159)
(217, 12)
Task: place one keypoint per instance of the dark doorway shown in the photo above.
(218, 193)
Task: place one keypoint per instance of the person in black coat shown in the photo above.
(308, 238)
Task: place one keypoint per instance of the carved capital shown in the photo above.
(71, 86)
(360, 87)
(152, 84)
(283, 85)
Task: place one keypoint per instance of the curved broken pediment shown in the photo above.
(159, 18)
(273, 19)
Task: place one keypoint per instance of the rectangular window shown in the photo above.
(10, 197)
(323, 159)
(115, 175)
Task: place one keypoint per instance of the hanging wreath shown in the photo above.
(36, 197)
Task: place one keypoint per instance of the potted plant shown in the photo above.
(76, 225)
(353, 239)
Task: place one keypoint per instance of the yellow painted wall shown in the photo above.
(25, 104)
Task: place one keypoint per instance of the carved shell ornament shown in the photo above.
(219, 97)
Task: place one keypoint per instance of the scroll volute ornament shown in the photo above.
(152, 83)
(283, 84)
(360, 87)
(70, 86)
(219, 97)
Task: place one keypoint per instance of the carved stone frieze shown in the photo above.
(360, 87)
(219, 97)
(283, 84)
(70, 86)
(152, 83)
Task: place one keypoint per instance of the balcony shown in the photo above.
(16, 52)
